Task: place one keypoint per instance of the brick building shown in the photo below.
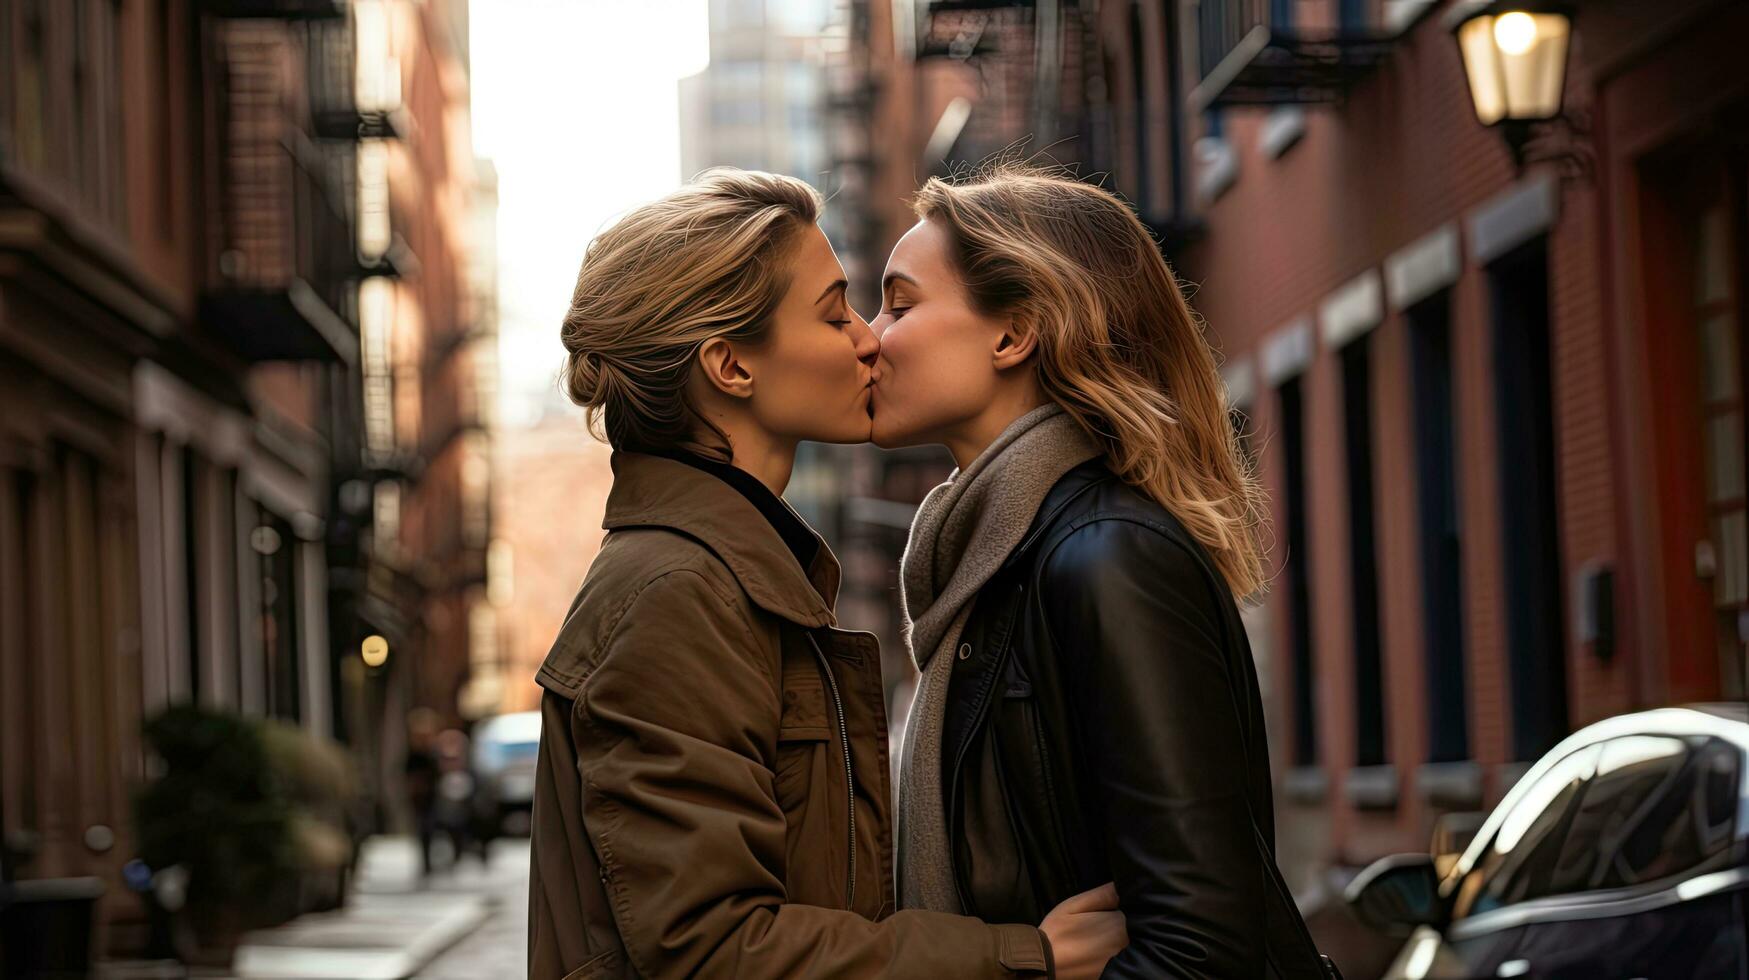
(1505, 511)
(186, 485)
(429, 331)
(1498, 410)
(178, 397)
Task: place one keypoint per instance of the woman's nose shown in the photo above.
(868, 346)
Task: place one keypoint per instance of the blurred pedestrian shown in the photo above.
(419, 780)
(454, 806)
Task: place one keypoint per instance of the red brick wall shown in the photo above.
(1401, 157)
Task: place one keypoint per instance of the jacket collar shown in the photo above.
(1070, 488)
(649, 491)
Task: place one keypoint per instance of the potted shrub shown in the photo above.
(216, 810)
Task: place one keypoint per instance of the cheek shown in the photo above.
(930, 378)
(922, 352)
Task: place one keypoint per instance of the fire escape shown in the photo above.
(1269, 52)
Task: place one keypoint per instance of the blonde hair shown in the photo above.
(706, 261)
(1118, 346)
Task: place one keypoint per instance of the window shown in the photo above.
(1657, 807)
(193, 530)
(1442, 622)
(1525, 434)
(1519, 861)
(1138, 58)
(1351, 15)
(1357, 419)
(1304, 682)
(276, 549)
(1634, 810)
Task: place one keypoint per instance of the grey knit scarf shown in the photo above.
(963, 532)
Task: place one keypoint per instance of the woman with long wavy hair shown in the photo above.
(1087, 708)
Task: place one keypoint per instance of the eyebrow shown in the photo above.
(840, 284)
(887, 283)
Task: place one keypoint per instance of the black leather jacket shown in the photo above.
(1104, 724)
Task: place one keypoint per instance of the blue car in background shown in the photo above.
(504, 751)
(1620, 853)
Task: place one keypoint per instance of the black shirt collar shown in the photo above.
(796, 534)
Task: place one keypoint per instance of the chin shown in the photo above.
(854, 431)
(891, 437)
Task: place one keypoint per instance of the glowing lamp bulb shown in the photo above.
(1515, 32)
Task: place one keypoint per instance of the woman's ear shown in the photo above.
(724, 369)
(1017, 343)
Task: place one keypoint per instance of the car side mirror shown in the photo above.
(1395, 894)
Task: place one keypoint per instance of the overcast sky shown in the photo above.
(575, 102)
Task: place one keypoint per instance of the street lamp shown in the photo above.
(1515, 58)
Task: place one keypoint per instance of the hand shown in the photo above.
(1085, 931)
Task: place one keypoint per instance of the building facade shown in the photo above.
(186, 484)
(178, 348)
(429, 330)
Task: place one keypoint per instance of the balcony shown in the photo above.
(282, 280)
(1257, 52)
(277, 9)
(960, 30)
(339, 110)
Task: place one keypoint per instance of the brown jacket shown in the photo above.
(703, 725)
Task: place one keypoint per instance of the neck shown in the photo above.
(969, 440)
(769, 458)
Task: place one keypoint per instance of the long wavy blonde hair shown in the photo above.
(709, 260)
(1118, 346)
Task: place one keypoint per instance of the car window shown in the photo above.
(1520, 861)
(1656, 810)
(1628, 811)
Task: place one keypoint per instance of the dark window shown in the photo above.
(1352, 15)
(1631, 811)
(1214, 124)
(1357, 419)
(1442, 621)
(276, 547)
(1525, 428)
(1293, 448)
(1281, 15)
(193, 533)
(1521, 860)
(1245, 434)
(1139, 83)
(1659, 806)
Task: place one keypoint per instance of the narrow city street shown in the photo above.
(496, 948)
(466, 922)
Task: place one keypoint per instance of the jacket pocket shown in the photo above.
(808, 782)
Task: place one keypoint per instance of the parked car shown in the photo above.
(505, 748)
(1620, 853)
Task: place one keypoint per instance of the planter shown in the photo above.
(46, 927)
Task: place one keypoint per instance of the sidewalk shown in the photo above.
(392, 926)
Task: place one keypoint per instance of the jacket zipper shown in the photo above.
(849, 774)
